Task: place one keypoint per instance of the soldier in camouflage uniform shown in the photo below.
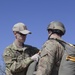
(52, 50)
(18, 55)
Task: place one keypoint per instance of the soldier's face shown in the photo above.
(21, 37)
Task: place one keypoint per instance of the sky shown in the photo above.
(36, 14)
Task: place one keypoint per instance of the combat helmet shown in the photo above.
(56, 26)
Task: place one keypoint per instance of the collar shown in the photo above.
(19, 49)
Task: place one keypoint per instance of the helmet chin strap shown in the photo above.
(50, 35)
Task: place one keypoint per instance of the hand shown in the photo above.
(35, 57)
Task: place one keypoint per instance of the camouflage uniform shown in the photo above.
(52, 50)
(17, 60)
(51, 55)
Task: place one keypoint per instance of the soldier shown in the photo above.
(52, 50)
(18, 55)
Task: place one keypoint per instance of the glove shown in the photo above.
(35, 57)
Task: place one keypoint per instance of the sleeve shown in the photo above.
(12, 64)
(46, 61)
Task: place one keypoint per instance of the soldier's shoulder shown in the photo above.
(10, 46)
(7, 50)
(72, 45)
(49, 42)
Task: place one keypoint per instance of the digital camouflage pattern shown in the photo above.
(17, 60)
(51, 55)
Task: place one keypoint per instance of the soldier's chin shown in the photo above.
(22, 41)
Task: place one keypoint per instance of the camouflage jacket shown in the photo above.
(17, 60)
(51, 55)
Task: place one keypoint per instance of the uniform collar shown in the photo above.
(19, 49)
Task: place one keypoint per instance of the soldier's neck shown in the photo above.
(18, 44)
(55, 36)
